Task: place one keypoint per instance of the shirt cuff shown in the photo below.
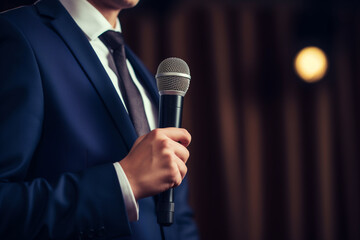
(132, 207)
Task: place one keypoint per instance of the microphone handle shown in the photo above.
(170, 115)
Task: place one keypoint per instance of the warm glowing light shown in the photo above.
(311, 64)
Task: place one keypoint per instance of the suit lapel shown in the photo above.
(78, 44)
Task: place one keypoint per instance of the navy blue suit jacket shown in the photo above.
(62, 125)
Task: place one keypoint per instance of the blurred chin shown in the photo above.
(129, 3)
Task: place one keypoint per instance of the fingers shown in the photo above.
(172, 146)
(175, 172)
(174, 139)
(182, 168)
(180, 135)
(157, 161)
(182, 152)
(177, 164)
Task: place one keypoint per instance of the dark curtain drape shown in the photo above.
(272, 157)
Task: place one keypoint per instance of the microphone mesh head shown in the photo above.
(173, 76)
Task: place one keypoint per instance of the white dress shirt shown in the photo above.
(93, 24)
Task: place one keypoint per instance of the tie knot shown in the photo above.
(112, 39)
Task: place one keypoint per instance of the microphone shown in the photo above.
(173, 80)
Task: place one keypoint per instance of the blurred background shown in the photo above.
(275, 153)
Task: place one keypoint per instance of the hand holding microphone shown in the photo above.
(156, 162)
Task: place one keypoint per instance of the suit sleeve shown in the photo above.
(76, 204)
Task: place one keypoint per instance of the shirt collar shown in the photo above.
(88, 18)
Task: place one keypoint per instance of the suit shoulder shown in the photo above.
(13, 37)
(22, 17)
(19, 12)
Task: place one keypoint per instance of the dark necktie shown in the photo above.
(129, 91)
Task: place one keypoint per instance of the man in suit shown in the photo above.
(73, 164)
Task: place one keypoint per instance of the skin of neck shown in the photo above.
(109, 12)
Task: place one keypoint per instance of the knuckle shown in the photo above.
(173, 172)
(164, 143)
(156, 133)
(167, 158)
